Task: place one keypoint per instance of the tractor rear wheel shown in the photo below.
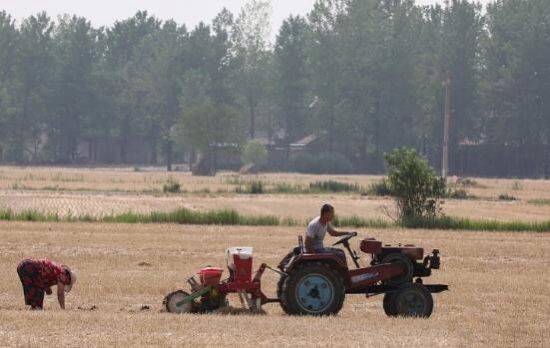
(405, 262)
(412, 300)
(280, 284)
(312, 288)
(171, 302)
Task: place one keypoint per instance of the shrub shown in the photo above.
(467, 182)
(333, 186)
(254, 153)
(458, 193)
(325, 163)
(379, 188)
(287, 188)
(517, 186)
(254, 187)
(506, 197)
(171, 186)
(414, 184)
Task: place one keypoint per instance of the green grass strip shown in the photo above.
(180, 216)
(454, 223)
(539, 201)
(231, 217)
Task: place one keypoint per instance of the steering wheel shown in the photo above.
(346, 238)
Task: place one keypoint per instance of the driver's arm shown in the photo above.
(335, 233)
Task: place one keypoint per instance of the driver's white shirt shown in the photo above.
(316, 231)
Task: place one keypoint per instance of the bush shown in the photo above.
(171, 186)
(287, 188)
(414, 185)
(517, 186)
(506, 197)
(458, 193)
(379, 188)
(325, 163)
(468, 182)
(254, 187)
(333, 186)
(254, 153)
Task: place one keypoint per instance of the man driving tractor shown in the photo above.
(317, 229)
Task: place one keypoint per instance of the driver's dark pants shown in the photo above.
(339, 252)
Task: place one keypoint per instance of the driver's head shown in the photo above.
(327, 213)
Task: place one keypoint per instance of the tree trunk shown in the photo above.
(154, 156)
(331, 129)
(125, 138)
(252, 130)
(168, 154)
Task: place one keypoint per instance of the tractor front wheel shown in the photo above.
(411, 300)
(171, 303)
(312, 289)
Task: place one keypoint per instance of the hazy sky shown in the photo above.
(190, 12)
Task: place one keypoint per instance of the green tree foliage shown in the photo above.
(250, 34)
(365, 76)
(517, 80)
(292, 78)
(73, 98)
(210, 117)
(8, 44)
(124, 59)
(326, 53)
(254, 153)
(414, 185)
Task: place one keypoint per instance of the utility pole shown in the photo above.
(446, 127)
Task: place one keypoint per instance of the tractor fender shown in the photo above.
(330, 259)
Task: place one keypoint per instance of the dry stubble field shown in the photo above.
(500, 282)
(500, 294)
(104, 191)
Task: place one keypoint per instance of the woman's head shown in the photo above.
(71, 278)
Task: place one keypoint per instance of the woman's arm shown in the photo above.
(61, 294)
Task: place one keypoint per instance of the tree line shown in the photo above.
(365, 74)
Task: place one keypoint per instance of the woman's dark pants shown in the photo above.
(29, 274)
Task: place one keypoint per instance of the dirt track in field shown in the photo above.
(500, 294)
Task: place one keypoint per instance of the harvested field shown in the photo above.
(500, 294)
(284, 205)
(151, 179)
(106, 191)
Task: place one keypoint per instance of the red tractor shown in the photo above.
(316, 284)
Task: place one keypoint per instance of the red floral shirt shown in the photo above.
(52, 273)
